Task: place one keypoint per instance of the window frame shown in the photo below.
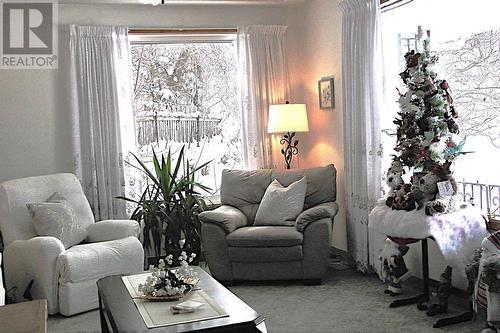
(181, 36)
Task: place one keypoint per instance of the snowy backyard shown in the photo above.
(186, 94)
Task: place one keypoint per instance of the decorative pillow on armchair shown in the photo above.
(281, 205)
(56, 218)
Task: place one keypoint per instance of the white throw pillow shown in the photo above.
(56, 218)
(281, 205)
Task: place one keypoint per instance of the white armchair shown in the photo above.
(65, 277)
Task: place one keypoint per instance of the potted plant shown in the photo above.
(186, 209)
(151, 214)
(168, 207)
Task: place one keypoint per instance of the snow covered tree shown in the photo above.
(473, 67)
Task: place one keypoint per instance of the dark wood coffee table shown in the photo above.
(119, 314)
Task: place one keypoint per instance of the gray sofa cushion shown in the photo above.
(265, 254)
(245, 189)
(281, 205)
(321, 185)
(265, 237)
(241, 188)
(321, 182)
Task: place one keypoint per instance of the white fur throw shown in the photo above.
(457, 234)
(398, 223)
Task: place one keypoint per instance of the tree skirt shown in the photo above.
(457, 234)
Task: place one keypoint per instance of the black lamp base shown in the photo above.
(289, 147)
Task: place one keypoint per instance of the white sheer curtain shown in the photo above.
(264, 81)
(362, 146)
(101, 104)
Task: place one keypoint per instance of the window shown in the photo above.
(186, 93)
(467, 43)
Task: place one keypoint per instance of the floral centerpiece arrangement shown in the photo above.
(170, 284)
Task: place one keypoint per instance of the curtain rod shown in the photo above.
(170, 31)
(392, 4)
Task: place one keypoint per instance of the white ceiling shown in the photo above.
(186, 2)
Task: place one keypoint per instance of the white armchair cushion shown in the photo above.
(57, 219)
(112, 229)
(97, 260)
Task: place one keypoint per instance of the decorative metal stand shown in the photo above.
(421, 299)
(289, 148)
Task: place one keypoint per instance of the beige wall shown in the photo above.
(315, 30)
(35, 126)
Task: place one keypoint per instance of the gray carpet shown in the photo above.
(347, 301)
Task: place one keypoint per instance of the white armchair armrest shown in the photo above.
(112, 229)
(34, 259)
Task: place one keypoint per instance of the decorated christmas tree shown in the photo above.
(426, 139)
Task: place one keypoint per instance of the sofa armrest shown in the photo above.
(228, 217)
(213, 236)
(34, 259)
(316, 248)
(111, 230)
(321, 211)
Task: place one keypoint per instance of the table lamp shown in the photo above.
(288, 118)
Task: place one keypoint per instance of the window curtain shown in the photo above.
(264, 81)
(361, 83)
(102, 107)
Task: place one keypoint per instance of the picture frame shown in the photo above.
(326, 92)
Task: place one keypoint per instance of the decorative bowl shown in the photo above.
(171, 298)
(166, 284)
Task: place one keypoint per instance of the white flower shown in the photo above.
(159, 275)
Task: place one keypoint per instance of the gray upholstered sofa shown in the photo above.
(237, 250)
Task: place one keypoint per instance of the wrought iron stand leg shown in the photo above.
(425, 274)
(466, 316)
(424, 297)
(425, 266)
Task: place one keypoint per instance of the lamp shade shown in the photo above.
(287, 118)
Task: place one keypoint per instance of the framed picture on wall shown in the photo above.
(326, 93)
